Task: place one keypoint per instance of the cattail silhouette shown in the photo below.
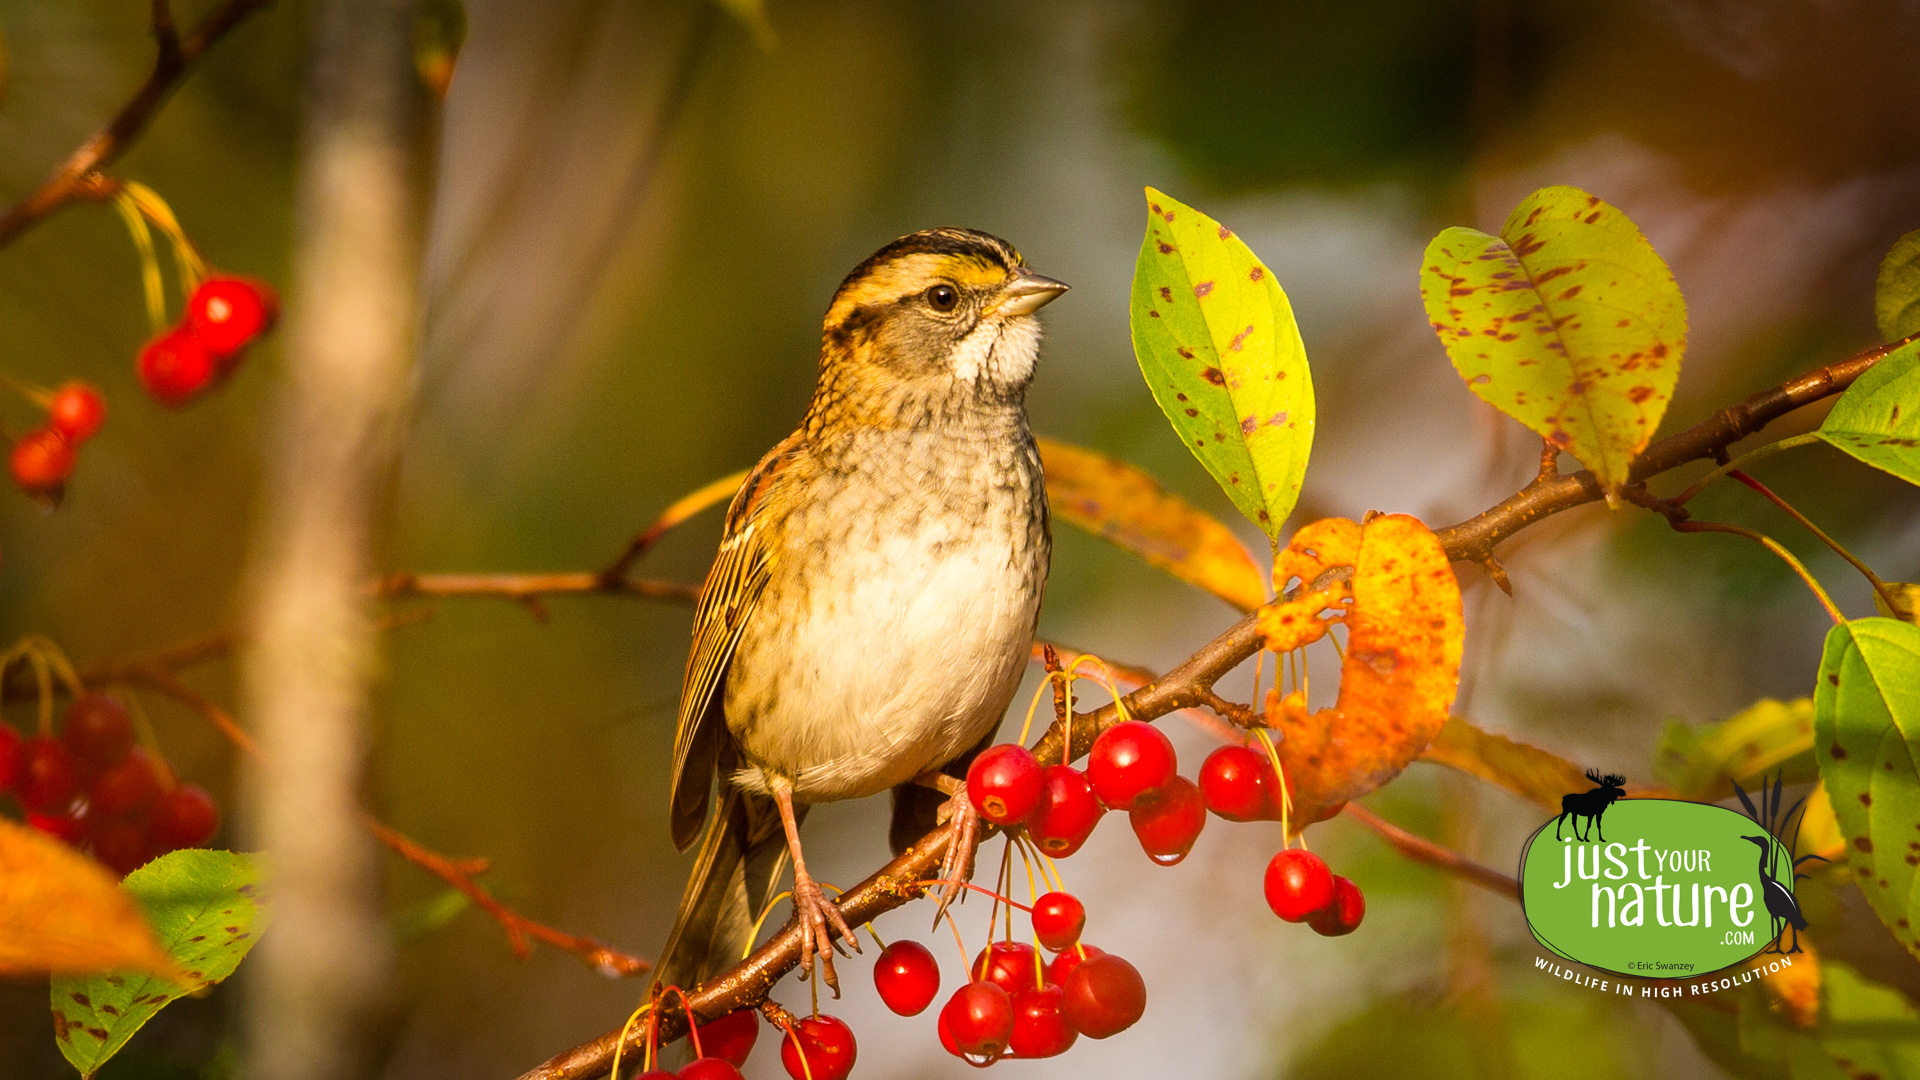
(1590, 805)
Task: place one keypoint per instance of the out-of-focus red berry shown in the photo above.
(186, 817)
(131, 786)
(120, 843)
(9, 758)
(70, 826)
(98, 732)
(76, 411)
(227, 313)
(1104, 997)
(175, 367)
(47, 778)
(41, 461)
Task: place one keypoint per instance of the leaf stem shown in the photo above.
(1774, 546)
(1879, 586)
(1743, 461)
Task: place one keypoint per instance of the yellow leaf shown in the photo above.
(1401, 665)
(1527, 771)
(63, 913)
(1123, 505)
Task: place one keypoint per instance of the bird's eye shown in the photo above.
(942, 297)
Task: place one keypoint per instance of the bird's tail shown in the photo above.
(739, 865)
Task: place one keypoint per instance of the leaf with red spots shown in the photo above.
(1568, 321)
(1878, 419)
(1866, 731)
(206, 909)
(1400, 670)
(1123, 505)
(1216, 340)
(1896, 294)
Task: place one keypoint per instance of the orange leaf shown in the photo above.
(1121, 504)
(1402, 663)
(63, 913)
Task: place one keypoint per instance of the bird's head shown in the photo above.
(945, 312)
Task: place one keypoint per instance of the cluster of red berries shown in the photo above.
(224, 315)
(1132, 767)
(95, 789)
(43, 458)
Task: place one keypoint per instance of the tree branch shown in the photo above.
(78, 177)
(1189, 684)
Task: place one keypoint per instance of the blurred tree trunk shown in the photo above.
(321, 974)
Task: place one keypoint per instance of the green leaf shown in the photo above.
(1878, 419)
(1866, 717)
(1568, 321)
(1216, 340)
(1872, 1028)
(1701, 762)
(1896, 295)
(206, 910)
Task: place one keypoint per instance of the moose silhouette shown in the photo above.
(1590, 805)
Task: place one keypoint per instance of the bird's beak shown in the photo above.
(1027, 292)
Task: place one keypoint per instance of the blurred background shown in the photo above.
(638, 214)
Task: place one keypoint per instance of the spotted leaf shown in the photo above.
(1123, 505)
(1217, 342)
(205, 908)
(1896, 294)
(1878, 419)
(1568, 321)
(1866, 728)
(1525, 770)
(1401, 667)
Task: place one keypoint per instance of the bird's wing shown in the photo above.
(727, 600)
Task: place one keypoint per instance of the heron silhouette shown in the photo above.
(1781, 905)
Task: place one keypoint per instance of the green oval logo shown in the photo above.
(1675, 889)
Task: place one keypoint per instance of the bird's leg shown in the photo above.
(963, 835)
(811, 908)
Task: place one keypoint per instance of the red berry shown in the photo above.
(76, 411)
(1062, 967)
(228, 313)
(731, 1037)
(98, 732)
(121, 843)
(41, 461)
(1067, 812)
(1004, 783)
(1129, 760)
(709, 1068)
(47, 777)
(907, 977)
(70, 826)
(9, 758)
(1343, 913)
(174, 367)
(827, 1044)
(130, 787)
(1298, 884)
(978, 1020)
(1040, 1027)
(1104, 997)
(186, 817)
(1058, 919)
(655, 1074)
(1234, 782)
(1169, 820)
(1010, 965)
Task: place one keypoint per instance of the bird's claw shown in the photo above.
(817, 916)
(963, 836)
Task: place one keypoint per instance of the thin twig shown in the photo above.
(78, 176)
(1421, 849)
(1879, 586)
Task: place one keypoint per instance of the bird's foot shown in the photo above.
(817, 916)
(963, 836)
